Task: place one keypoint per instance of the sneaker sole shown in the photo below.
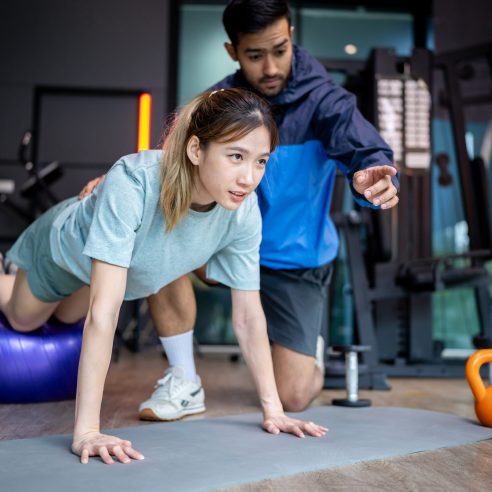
(148, 414)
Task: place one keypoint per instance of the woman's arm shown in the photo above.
(249, 324)
(107, 290)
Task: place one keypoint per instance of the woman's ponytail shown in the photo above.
(177, 174)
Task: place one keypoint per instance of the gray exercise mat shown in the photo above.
(208, 454)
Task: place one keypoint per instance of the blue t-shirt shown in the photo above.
(122, 223)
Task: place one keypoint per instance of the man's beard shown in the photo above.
(274, 90)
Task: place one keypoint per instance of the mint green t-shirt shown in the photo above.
(122, 223)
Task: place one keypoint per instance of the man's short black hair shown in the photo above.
(251, 16)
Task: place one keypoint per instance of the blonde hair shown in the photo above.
(219, 116)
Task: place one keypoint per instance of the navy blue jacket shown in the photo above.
(320, 128)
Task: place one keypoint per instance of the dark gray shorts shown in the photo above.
(295, 302)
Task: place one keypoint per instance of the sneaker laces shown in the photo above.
(169, 386)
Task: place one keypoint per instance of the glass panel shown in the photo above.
(450, 230)
(203, 60)
(327, 33)
(454, 318)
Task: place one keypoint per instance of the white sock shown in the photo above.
(179, 351)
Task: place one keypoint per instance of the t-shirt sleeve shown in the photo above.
(237, 265)
(117, 217)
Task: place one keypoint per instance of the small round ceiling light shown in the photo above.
(350, 49)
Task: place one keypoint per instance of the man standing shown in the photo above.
(320, 128)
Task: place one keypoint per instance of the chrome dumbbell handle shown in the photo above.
(351, 376)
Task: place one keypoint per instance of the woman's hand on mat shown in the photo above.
(281, 423)
(89, 187)
(96, 444)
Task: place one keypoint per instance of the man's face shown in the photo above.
(265, 57)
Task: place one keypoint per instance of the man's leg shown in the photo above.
(294, 303)
(179, 392)
(173, 308)
(173, 311)
(298, 378)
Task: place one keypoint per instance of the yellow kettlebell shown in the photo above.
(483, 395)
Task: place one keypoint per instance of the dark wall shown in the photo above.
(107, 44)
(458, 25)
(461, 23)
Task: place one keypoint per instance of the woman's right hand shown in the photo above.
(97, 444)
(89, 187)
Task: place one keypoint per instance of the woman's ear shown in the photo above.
(193, 150)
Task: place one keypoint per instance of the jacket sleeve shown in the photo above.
(348, 137)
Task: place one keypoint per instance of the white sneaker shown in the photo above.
(319, 360)
(174, 397)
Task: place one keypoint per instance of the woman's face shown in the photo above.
(229, 172)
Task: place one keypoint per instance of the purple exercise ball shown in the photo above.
(41, 365)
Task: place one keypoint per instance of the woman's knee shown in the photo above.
(22, 323)
(24, 311)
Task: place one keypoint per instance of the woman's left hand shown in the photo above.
(281, 423)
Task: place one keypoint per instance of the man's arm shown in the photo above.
(351, 140)
(376, 185)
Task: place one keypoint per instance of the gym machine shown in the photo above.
(36, 189)
(393, 273)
